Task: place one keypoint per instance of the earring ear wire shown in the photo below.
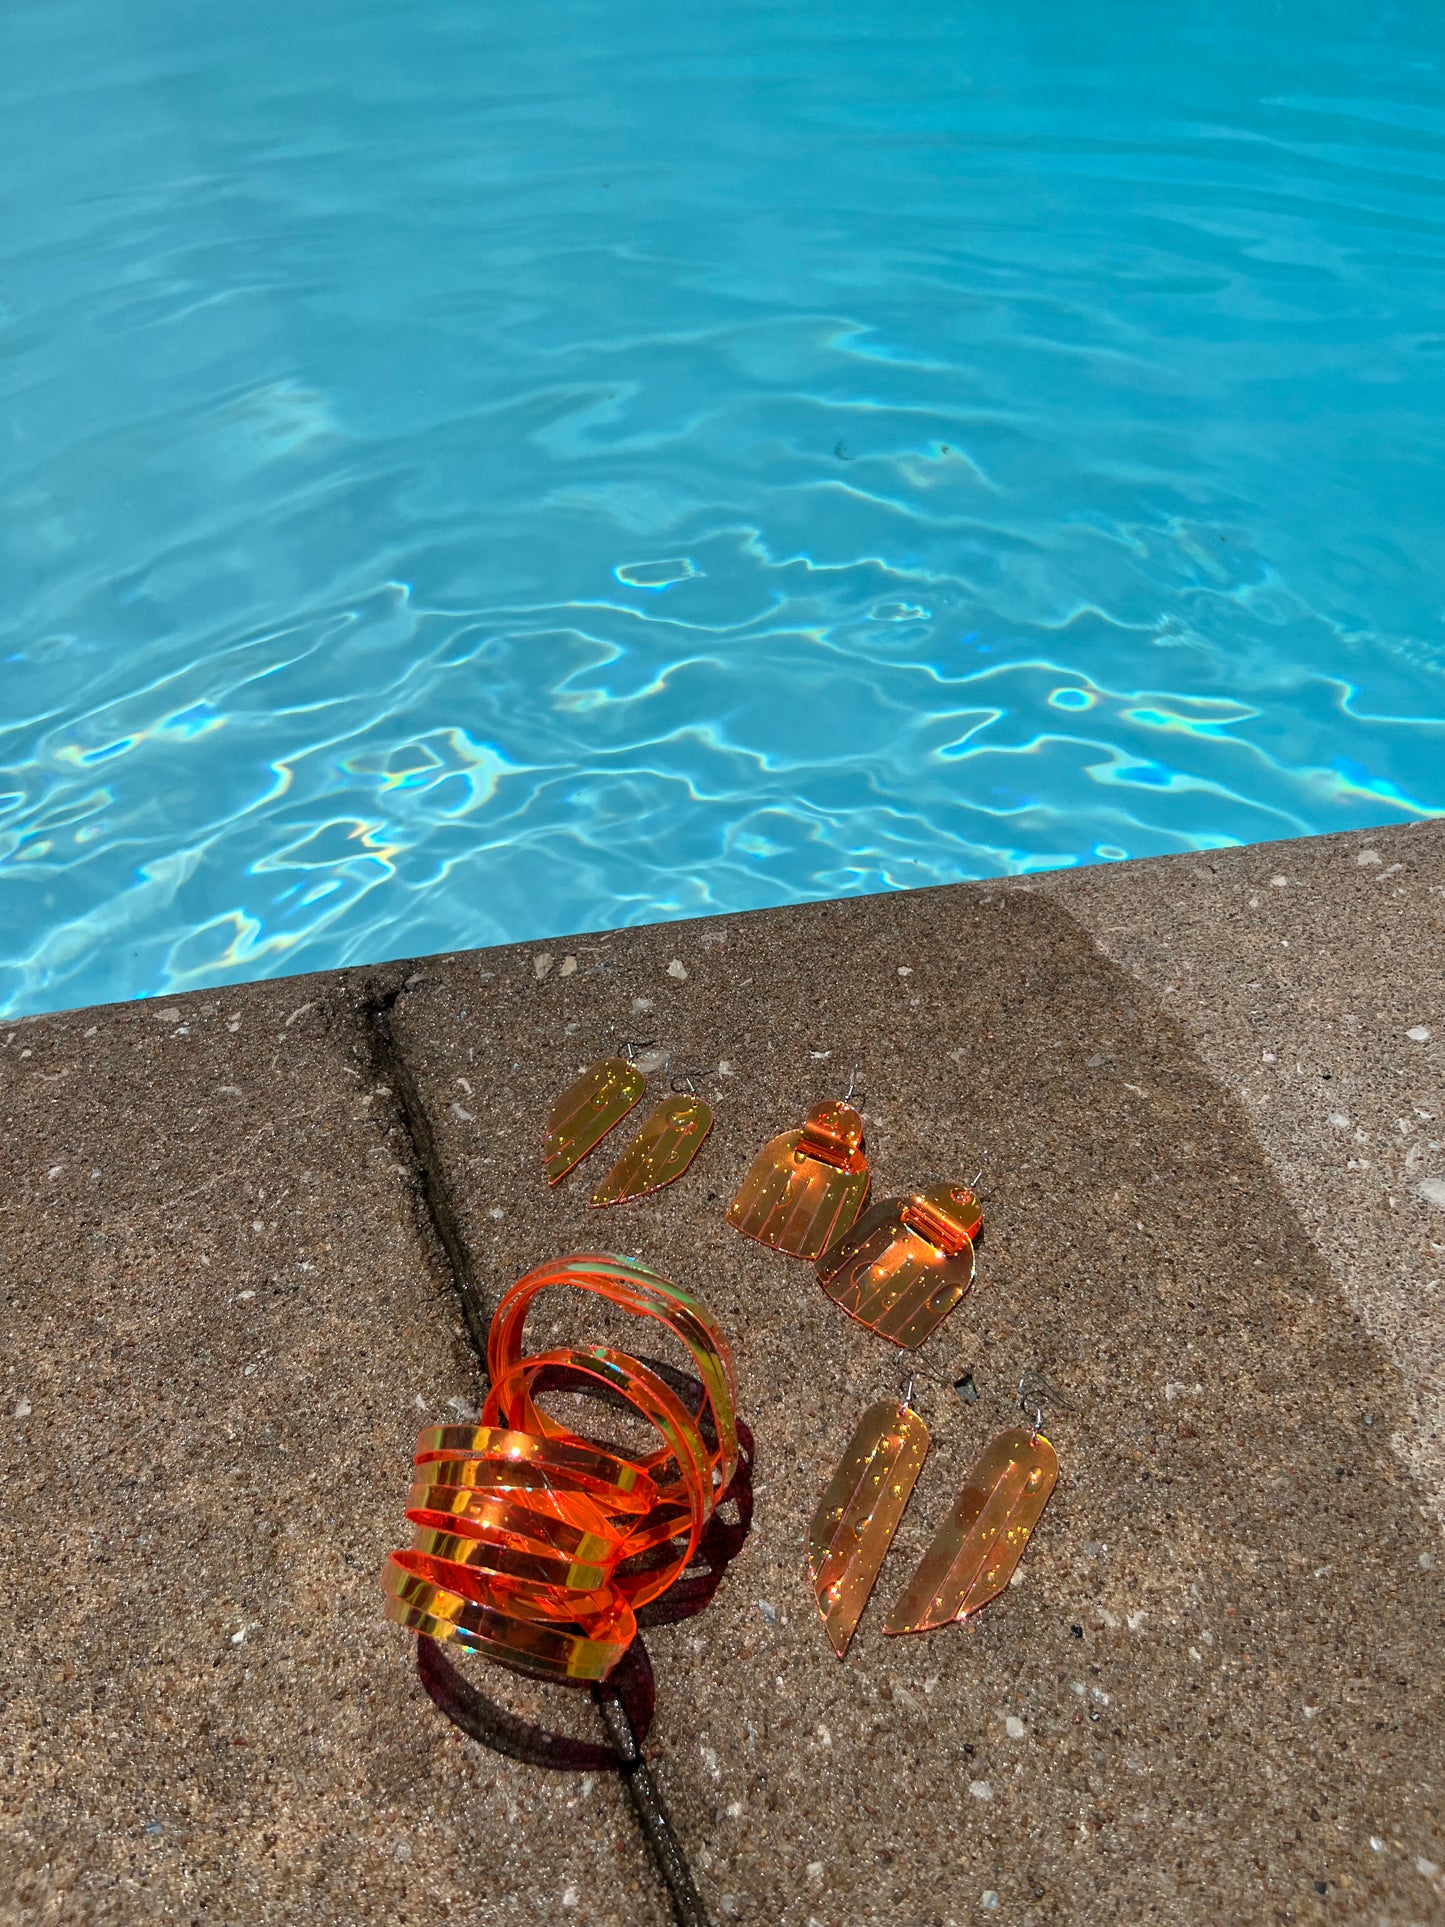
(1038, 1413)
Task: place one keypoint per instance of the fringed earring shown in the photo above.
(806, 1187)
(906, 1263)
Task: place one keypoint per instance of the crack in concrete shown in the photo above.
(395, 1075)
(441, 1220)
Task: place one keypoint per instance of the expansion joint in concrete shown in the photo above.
(395, 1074)
(652, 1816)
(434, 1194)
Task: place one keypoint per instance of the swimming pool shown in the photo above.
(473, 473)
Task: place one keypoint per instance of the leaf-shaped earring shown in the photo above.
(662, 1150)
(806, 1187)
(859, 1511)
(978, 1547)
(586, 1111)
(905, 1263)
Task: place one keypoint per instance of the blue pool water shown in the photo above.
(472, 472)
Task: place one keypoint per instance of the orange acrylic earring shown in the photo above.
(806, 1187)
(662, 1150)
(976, 1550)
(859, 1511)
(906, 1263)
(586, 1111)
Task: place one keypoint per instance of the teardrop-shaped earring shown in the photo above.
(859, 1511)
(587, 1110)
(662, 1150)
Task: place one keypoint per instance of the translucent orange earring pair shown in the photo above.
(975, 1551)
(599, 1099)
(900, 1267)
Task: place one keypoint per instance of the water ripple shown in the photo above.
(549, 477)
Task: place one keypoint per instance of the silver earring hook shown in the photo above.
(1024, 1408)
(908, 1395)
(852, 1086)
(632, 1045)
(973, 1181)
(686, 1080)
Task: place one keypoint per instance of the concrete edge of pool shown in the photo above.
(1206, 1086)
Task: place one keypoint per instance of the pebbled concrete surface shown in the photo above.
(1305, 973)
(1214, 1694)
(1217, 1684)
(221, 1326)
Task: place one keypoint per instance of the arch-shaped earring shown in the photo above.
(807, 1186)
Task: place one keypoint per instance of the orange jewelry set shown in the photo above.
(536, 1546)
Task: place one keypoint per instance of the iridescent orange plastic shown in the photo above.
(906, 1263)
(977, 1548)
(585, 1647)
(806, 1187)
(586, 1111)
(684, 1505)
(859, 1511)
(662, 1150)
(637, 1289)
(525, 1532)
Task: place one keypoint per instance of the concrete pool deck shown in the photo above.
(1213, 1221)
